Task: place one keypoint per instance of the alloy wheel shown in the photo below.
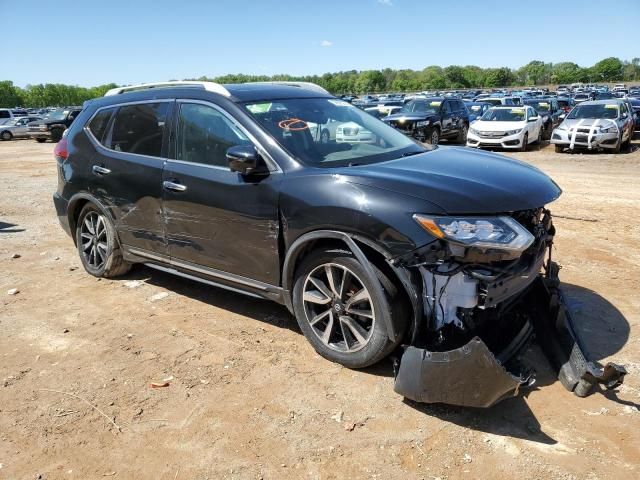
(338, 307)
(435, 137)
(93, 237)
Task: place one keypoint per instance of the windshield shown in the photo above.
(327, 132)
(540, 106)
(428, 107)
(59, 114)
(503, 115)
(601, 110)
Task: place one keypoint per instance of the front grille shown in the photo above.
(491, 134)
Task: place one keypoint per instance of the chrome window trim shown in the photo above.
(96, 142)
(271, 163)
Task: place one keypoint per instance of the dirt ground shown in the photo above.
(250, 399)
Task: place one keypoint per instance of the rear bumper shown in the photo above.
(61, 205)
(474, 376)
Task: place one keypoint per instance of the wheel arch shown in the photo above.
(366, 252)
(77, 203)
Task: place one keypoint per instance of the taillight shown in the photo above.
(61, 149)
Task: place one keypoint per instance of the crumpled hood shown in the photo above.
(461, 181)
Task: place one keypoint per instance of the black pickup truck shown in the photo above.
(53, 125)
(430, 119)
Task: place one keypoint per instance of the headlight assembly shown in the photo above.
(473, 130)
(501, 233)
(424, 123)
(611, 129)
(513, 132)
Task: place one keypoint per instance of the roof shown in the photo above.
(603, 102)
(235, 91)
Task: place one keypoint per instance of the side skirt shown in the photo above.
(206, 275)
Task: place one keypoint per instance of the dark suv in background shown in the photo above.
(372, 242)
(53, 125)
(431, 119)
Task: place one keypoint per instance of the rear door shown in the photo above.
(217, 218)
(127, 172)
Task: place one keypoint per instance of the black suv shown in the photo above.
(431, 119)
(549, 110)
(53, 125)
(370, 239)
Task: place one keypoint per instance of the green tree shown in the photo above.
(608, 70)
(10, 95)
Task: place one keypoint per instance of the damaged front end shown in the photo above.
(481, 307)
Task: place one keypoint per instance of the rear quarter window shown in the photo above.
(99, 123)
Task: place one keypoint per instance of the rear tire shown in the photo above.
(98, 245)
(559, 148)
(339, 312)
(6, 135)
(41, 140)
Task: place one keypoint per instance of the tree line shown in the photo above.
(536, 72)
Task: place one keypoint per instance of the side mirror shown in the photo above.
(533, 119)
(245, 160)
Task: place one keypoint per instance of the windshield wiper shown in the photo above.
(408, 154)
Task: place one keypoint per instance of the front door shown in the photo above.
(215, 217)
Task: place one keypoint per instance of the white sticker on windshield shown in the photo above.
(340, 103)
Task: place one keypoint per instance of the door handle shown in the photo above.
(98, 170)
(173, 186)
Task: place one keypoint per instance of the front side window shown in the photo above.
(139, 128)
(204, 135)
(327, 132)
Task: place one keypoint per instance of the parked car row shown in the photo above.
(51, 126)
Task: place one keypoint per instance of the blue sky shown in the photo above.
(90, 43)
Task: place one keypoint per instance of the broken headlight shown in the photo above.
(501, 233)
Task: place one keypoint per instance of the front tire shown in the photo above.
(338, 311)
(434, 136)
(462, 136)
(98, 245)
(56, 135)
(525, 142)
(6, 135)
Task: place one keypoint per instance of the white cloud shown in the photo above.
(326, 43)
(388, 3)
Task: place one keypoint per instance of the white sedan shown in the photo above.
(506, 127)
(351, 132)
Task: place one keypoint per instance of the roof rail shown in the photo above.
(307, 85)
(209, 86)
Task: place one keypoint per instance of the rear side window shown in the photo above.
(139, 129)
(204, 135)
(4, 114)
(99, 123)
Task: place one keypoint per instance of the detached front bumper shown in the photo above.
(474, 376)
(506, 142)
